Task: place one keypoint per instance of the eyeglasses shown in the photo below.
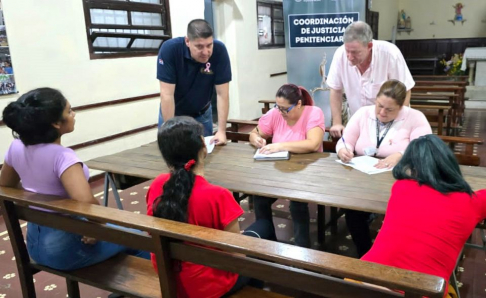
(284, 111)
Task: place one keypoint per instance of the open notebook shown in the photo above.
(272, 156)
(365, 164)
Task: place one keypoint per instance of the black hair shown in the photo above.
(31, 116)
(429, 161)
(199, 28)
(180, 141)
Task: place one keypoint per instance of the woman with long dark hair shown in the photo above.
(383, 130)
(431, 212)
(297, 126)
(38, 120)
(184, 195)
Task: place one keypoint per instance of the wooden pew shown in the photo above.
(457, 102)
(467, 157)
(266, 104)
(431, 118)
(290, 266)
(440, 78)
(441, 83)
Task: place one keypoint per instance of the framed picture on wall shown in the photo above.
(7, 78)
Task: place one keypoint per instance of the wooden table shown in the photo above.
(315, 177)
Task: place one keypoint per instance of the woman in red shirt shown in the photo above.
(184, 195)
(431, 212)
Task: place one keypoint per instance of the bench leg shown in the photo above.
(440, 122)
(26, 272)
(72, 288)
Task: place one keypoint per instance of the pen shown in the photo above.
(344, 142)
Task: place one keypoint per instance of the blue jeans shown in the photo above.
(62, 250)
(205, 119)
(300, 218)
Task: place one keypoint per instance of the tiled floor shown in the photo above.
(471, 275)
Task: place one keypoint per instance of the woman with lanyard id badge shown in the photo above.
(383, 131)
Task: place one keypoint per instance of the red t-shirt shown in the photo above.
(209, 206)
(424, 230)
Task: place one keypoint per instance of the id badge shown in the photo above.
(370, 151)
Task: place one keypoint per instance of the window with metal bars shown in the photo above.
(126, 28)
(270, 25)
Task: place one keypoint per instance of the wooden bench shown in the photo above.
(441, 83)
(467, 156)
(456, 102)
(422, 65)
(290, 266)
(266, 104)
(440, 78)
(439, 118)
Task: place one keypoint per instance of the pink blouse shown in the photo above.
(273, 124)
(360, 132)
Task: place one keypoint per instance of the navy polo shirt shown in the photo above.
(194, 81)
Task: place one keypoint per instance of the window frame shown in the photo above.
(128, 6)
(272, 5)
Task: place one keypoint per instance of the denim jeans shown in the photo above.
(62, 250)
(205, 119)
(300, 218)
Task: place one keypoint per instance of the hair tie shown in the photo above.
(189, 165)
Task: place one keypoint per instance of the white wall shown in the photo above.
(424, 12)
(236, 26)
(388, 10)
(49, 47)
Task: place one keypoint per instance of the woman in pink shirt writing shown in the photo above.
(294, 125)
(384, 131)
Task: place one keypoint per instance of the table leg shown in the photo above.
(321, 223)
(110, 182)
(334, 220)
(106, 191)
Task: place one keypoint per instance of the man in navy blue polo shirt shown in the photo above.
(189, 70)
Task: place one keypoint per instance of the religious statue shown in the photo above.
(408, 23)
(458, 7)
(402, 18)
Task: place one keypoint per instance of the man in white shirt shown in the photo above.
(360, 66)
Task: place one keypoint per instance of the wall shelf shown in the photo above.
(454, 22)
(404, 30)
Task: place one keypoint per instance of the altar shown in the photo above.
(475, 60)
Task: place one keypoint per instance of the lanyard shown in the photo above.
(378, 139)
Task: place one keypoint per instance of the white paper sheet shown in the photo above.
(210, 147)
(365, 164)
